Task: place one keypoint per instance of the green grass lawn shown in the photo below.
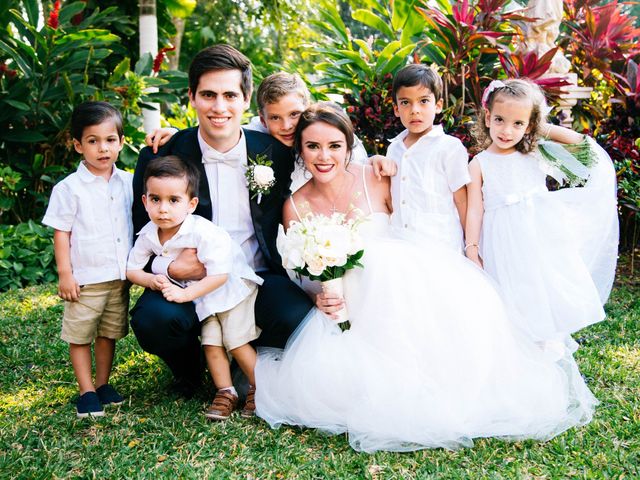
(156, 435)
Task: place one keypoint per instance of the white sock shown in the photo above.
(231, 389)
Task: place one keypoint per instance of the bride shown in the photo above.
(431, 359)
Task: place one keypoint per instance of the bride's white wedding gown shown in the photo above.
(431, 359)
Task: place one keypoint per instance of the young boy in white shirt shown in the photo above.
(90, 211)
(224, 299)
(429, 191)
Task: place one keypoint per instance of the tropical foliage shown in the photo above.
(74, 56)
(55, 54)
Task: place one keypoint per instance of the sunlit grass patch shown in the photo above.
(156, 435)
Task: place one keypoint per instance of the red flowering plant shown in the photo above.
(465, 39)
(361, 71)
(372, 114)
(599, 39)
(619, 135)
(54, 14)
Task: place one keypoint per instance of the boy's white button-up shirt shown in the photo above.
(429, 172)
(97, 212)
(215, 250)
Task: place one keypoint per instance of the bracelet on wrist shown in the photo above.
(471, 245)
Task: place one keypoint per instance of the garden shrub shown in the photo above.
(26, 255)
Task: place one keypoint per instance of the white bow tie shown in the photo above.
(231, 159)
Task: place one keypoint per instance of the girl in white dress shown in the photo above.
(431, 359)
(552, 253)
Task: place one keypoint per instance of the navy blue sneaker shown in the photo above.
(89, 405)
(108, 395)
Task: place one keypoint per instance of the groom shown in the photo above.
(220, 87)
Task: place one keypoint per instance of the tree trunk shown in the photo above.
(174, 57)
(149, 44)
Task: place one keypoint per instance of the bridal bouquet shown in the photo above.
(322, 248)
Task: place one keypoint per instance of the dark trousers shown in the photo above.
(170, 330)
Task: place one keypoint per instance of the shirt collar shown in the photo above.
(239, 150)
(151, 229)
(86, 176)
(436, 131)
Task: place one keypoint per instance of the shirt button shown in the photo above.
(404, 178)
(165, 251)
(406, 226)
(404, 202)
(118, 240)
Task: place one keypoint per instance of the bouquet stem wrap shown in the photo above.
(336, 287)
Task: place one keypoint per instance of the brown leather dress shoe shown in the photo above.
(249, 409)
(224, 403)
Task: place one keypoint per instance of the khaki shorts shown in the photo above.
(101, 311)
(233, 328)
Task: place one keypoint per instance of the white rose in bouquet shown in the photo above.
(322, 248)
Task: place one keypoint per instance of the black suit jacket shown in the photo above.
(266, 216)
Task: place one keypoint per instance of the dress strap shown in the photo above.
(295, 209)
(366, 191)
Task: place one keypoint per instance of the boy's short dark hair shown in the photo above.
(173, 166)
(93, 113)
(220, 57)
(417, 74)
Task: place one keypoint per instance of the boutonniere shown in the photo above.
(260, 176)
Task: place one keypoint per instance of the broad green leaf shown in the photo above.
(38, 38)
(372, 20)
(20, 62)
(161, 97)
(144, 64)
(365, 48)
(17, 104)
(67, 12)
(33, 11)
(118, 72)
(400, 58)
(90, 34)
(154, 81)
(180, 8)
(357, 59)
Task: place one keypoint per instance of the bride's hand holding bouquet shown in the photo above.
(323, 248)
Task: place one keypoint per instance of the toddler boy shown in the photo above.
(224, 299)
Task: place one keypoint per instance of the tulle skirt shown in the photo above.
(431, 360)
(554, 254)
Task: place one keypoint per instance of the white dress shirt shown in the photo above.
(300, 174)
(230, 197)
(215, 250)
(97, 212)
(429, 172)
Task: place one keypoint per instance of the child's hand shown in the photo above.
(159, 282)
(68, 288)
(159, 137)
(383, 166)
(176, 294)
